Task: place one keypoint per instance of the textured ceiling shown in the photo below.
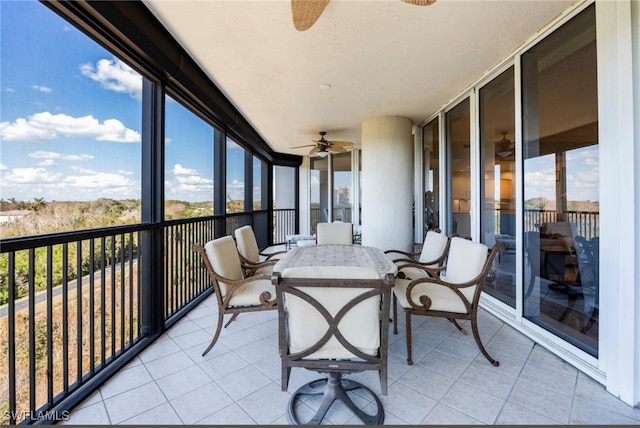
(380, 57)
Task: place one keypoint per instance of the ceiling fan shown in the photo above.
(306, 12)
(323, 147)
(505, 147)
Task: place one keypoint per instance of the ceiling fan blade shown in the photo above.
(341, 143)
(306, 12)
(336, 149)
(313, 151)
(306, 145)
(420, 2)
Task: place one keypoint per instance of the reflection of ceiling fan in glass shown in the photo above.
(505, 148)
(306, 12)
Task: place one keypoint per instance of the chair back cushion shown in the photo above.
(433, 247)
(466, 260)
(223, 256)
(247, 244)
(360, 326)
(334, 233)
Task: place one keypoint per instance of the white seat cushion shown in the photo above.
(223, 256)
(249, 294)
(465, 262)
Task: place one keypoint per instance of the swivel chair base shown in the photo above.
(333, 388)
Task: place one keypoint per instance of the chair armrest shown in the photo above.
(269, 255)
(413, 255)
(430, 271)
(250, 267)
(425, 302)
(234, 284)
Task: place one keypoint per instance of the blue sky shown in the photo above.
(70, 119)
(70, 124)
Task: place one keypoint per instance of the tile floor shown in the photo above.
(450, 382)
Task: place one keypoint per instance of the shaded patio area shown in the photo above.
(450, 382)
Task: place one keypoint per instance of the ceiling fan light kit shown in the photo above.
(305, 13)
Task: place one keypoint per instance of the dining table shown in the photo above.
(338, 255)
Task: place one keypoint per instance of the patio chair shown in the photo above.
(336, 233)
(333, 320)
(234, 292)
(414, 265)
(254, 262)
(452, 291)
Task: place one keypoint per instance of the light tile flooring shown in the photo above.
(238, 382)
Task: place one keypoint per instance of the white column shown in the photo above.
(619, 138)
(387, 183)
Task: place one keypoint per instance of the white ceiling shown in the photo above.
(380, 57)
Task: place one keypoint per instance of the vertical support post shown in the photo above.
(151, 261)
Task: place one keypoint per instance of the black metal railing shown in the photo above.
(587, 222)
(319, 215)
(184, 277)
(71, 306)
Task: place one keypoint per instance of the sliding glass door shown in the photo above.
(459, 162)
(431, 147)
(498, 203)
(561, 198)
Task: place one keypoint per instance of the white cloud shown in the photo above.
(232, 145)
(102, 182)
(53, 155)
(84, 184)
(30, 176)
(46, 126)
(235, 190)
(47, 162)
(3, 167)
(180, 170)
(540, 184)
(115, 75)
(81, 170)
(42, 89)
(188, 184)
(10, 90)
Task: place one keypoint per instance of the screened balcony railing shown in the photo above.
(77, 306)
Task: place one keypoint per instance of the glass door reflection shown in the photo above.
(459, 160)
(561, 181)
(498, 212)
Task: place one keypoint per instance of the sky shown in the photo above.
(70, 125)
(70, 120)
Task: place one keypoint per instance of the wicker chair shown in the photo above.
(234, 292)
(454, 298)
(333, 320)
